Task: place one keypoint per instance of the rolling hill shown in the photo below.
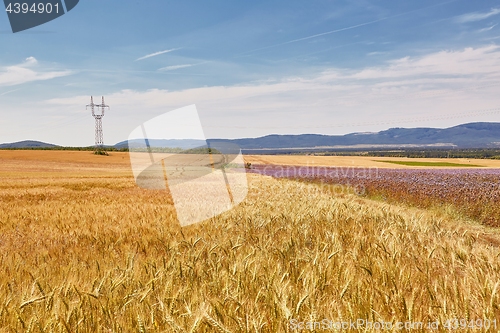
(471, 135)
(26, 144)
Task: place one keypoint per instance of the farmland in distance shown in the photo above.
(83, 249)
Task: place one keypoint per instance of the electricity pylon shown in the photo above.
(99, 141)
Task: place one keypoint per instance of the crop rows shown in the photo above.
(85, 253)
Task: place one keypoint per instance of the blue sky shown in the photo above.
(252, 67)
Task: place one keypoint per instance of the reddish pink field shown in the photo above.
(475, 193)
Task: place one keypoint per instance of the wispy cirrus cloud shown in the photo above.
(171, 68)
(376, 53)
(469, 61)
(156, 54)
(349, 27)
(27, 71)
(8, 92)
(477, 16)
(487, 29)
(439, 85)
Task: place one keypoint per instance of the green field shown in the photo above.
(433, 164)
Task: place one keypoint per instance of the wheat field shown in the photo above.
(83, 249)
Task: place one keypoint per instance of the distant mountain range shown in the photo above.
(26, 144)
(471, 135)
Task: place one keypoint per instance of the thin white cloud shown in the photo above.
(487, 29)
(316, 35)
(155, 54)
(171, 68)
(355, 26)
(30, 61)
(476, 16)
(27, 71)
(8, 92)
(370, 54)
(469, 61)
(439, 85)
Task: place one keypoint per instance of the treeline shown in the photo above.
(199, 150)
(91, 148)
(481, 153)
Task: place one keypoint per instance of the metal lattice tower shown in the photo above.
(99, 141)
